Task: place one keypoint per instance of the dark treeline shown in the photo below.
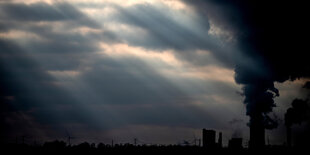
(60, 147)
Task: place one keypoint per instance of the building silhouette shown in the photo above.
(257, 132)
(208, 138)
(220, 141)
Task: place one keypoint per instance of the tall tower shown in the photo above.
(257, 132)
(220, 143)
(208, 138)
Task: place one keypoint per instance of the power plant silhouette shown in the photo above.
(212, 141)
(209, 140)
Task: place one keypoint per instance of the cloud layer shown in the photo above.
(112, 68)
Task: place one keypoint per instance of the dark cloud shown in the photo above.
(31, 100)
(270, 35)
(56, 44)
(43, 12)
(307, 85)
(163, 31)
(29, 96)
(266, 48)
(106, 94)
(24, 87)
(39, 12)
(297, 113)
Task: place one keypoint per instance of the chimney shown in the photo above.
(289, 136)
(257, 132)
(220, 143)
(208, 138)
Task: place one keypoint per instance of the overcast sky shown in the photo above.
(156, 70)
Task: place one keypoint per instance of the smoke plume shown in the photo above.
(269, 35)
(298, 113)
(276, 52)
(300, 110)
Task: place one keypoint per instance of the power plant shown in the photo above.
(257, 133)
(208, 139)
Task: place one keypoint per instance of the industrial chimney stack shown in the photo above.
(257, 133)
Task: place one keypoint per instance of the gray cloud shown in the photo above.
(44, 12)
(107, 93)
(151, 102)
(166, 32)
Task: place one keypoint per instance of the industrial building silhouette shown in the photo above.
(208, 139)
(211, 143)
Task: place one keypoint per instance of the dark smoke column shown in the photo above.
(257, 133)
(270, 38)
(259, 95)
(296, 114)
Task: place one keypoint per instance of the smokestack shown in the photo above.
(289, 136)
(257, 133)
(259, 102)
(220, 143)
(295, 115)
(208, 138)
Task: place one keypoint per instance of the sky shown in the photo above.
(155, 70)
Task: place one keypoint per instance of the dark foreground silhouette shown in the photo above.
(60, 147)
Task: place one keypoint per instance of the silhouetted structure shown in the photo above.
(296, 114)
(208, 138)
(220, 142)
(289, 136)
(60, 147)
(69, 137)
(257, 132)
(235, 143)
